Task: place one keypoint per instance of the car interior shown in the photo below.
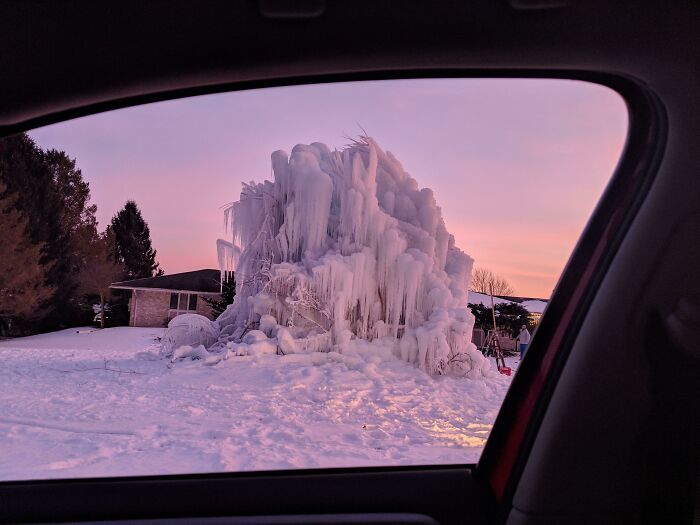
(615, 363)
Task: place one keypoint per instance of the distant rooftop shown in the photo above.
(521, 299)
(531, 304)
(202, 281)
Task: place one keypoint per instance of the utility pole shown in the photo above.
(493, 308)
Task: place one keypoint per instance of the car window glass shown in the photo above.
(328, 296)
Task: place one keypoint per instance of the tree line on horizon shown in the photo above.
(55, 263)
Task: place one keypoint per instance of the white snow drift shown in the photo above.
(341, 246)
(84, 402)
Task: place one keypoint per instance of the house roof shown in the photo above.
(522, 299)
(201, 281)
(532, 305)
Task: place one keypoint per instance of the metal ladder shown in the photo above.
(492, 347)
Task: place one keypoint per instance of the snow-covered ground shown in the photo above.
(102, 403)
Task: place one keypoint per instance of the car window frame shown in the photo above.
(505, 451)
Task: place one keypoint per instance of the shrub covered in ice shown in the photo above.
(344, 245)
(191, 330)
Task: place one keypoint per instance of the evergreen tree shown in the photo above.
(509, 317)
(76, 222)
(23, 289)
(228, 292)
(482, 315)
(54, 199)
(133, 243)
(24, 172)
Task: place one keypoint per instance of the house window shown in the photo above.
(182, 303)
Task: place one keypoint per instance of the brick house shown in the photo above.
(156, 300)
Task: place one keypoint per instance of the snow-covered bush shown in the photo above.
(344, 245)
(186, 351)
(190, 330)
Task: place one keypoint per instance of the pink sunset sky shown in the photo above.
(516, 165)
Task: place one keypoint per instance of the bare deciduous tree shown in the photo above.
(99, 270)
(486, 282)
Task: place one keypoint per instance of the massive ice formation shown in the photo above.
(343, 245)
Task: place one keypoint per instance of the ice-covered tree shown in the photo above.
(344, 246)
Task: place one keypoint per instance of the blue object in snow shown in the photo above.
(523, 346)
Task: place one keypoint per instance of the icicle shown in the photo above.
(227, 255)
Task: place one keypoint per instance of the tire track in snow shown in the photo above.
(74, 428)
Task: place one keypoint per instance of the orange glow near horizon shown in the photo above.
(516, 165)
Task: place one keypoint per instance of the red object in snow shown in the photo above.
(505, 370)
